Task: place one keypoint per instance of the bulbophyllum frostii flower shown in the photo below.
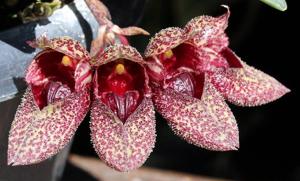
(122, 113)
(55, 102)
(192, 70)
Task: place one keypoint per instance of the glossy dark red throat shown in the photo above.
(60, 79)
(185, 65)
(122, 93)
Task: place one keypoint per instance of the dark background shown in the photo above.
(269, 135)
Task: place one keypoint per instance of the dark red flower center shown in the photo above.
(121, 86)
(184, 67)
(187, 83)
(55, 78)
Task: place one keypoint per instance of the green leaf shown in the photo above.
(277, 4)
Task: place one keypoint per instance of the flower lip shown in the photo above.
(120, 76)
(126, 52)
(50, 79)
(120, 80)
(171, 63)
(185, 58)
(187, 83)
(58, 70)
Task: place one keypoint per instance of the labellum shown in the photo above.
(55, 102)
(122, 114)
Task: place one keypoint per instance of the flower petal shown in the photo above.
(65, 45)
(201, 29)
(83, 75)
(118, 51)
(129, 31)
(99, 10)
(33, 73)
(98, 44)
(210, 59)
(165, 40)
(36, 134)
(217, 43)
(246, 86)
(70, 47)
(207, 123)
(125, 146)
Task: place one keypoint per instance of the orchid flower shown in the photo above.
(55, 102)
(108, 32)
(122, 113)
(193, 71)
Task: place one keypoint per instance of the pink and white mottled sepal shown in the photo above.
(246, 86)
(123, 146)
(202, 29)
(117, 51)
(36, 134)
(165, 40)
(65, 45)
(207, 122)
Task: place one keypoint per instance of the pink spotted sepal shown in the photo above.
(54, 104)
(244, 85)
(204, 30)
(122, 114)
(206, 122)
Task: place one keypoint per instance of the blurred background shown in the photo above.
(269, 135)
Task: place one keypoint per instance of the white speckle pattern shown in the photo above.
(70, 47)
(247, 86)
(36, 135)
(65, 45)
(207, 123)
(203, 28)
(118, 51)
(165, 40)
(125, 146)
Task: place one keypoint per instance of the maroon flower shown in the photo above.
(122, 113)
(192, 70)
(55, 102)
